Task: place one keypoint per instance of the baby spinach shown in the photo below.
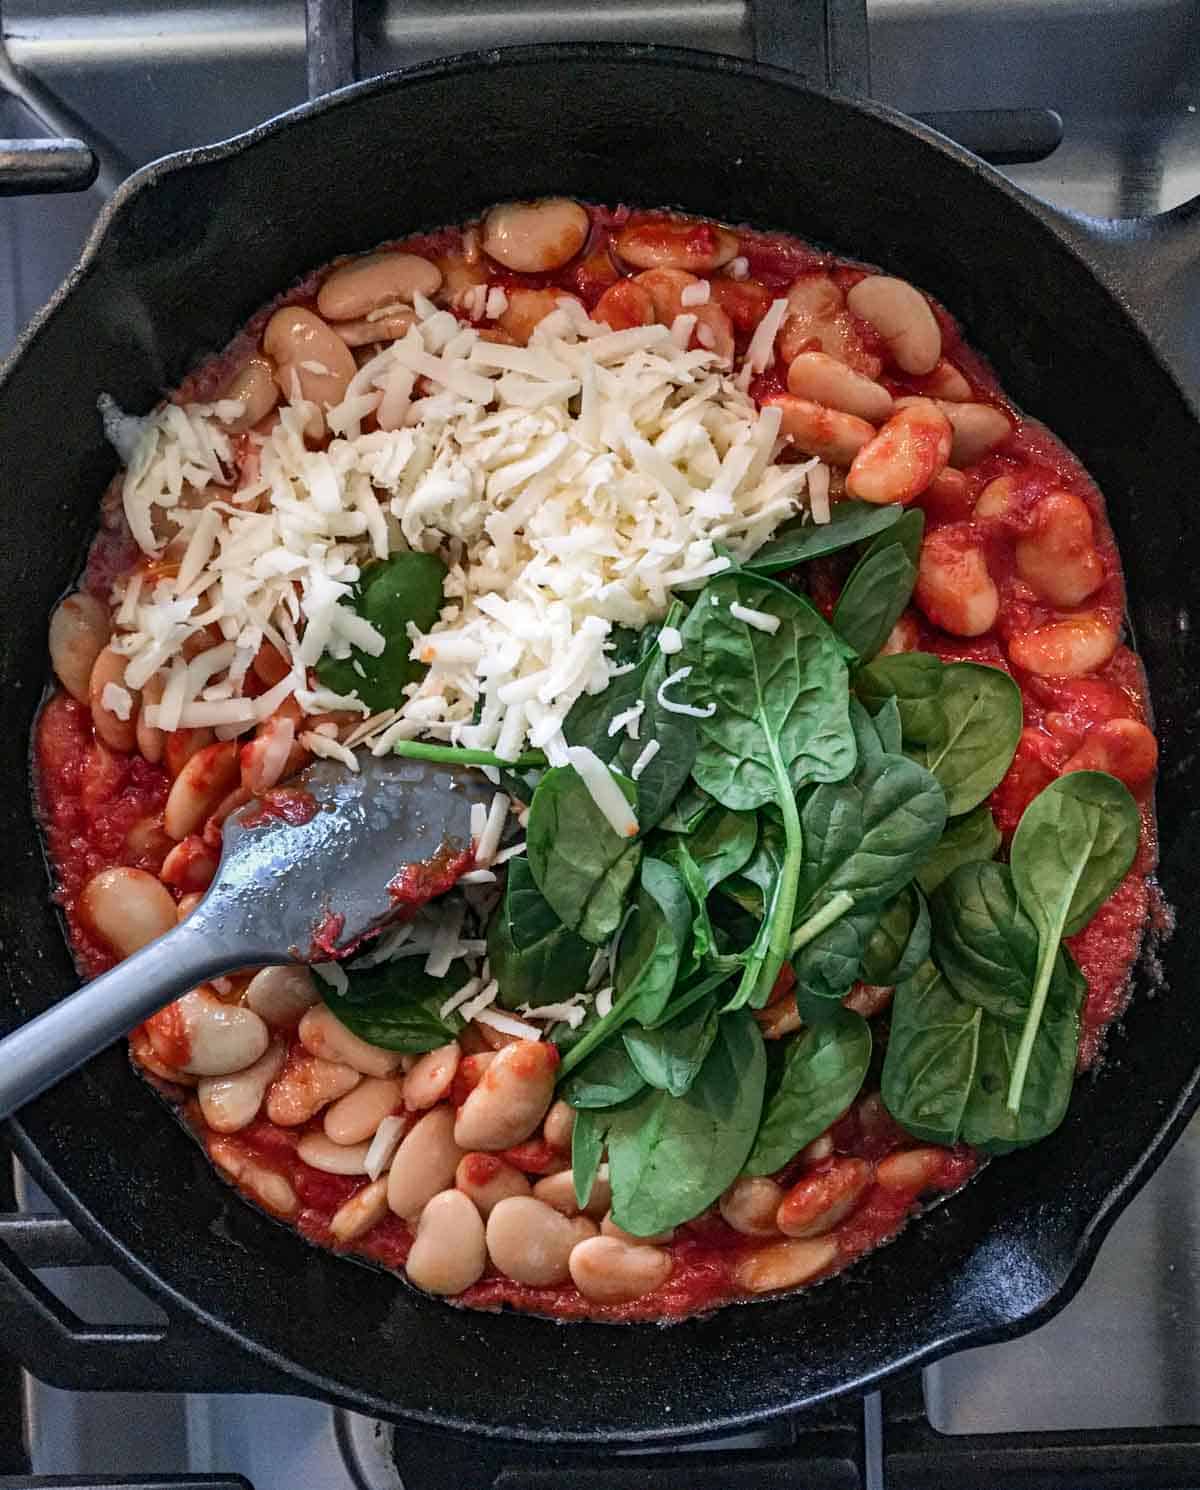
(932, 1054)
(390, 594)
(827, 965)
(899, 943)
(981, 724)
(722, 844)
(688, 811)
(607, 1078)
(397, 1005)
(578, 862)
(823, 1070)
(984, 942)
(878, 588)
(888, 726)
(801, 540)
(1073, 846)
(969, 839)
(533, 956)
(908, 532)
(780, 722)
(691, 993)
(914, 680)
(669, 1157)
(590, 715)
(677, 853)
(587, 1150)
(669, 1057)
(654, 943)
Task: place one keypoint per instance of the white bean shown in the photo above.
(512, 1098)
(374, 281)
(535, 237)
(530, 1242)
(357, 1115)
(558, 1190)
(609, 1271)
(817, 1202)
(221, 1038)
(825, 380)
(904, 457)
(783, 1264)
(448, 1253)
(117, 733)
(559, 1128)
(230, 1103)
(332, 1158)
(902, 316)
(365, 1208)
(200, 788)
(254, 387)
(306, 1085)
(281, 995)
(816, 430)
(424, 1164)
(293, 337)
(676, 243)
(79, 632)
(126, 908)
(430, 1079)
(323, 1034)
(487, 1180)
(978, 429)
(749, 1206)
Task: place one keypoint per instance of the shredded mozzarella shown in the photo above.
(382, 1148)
(489, 838)
(644, 759)
(604, 791)
(496, 1019)
(673, 706)
(670, 641)
(760, 620)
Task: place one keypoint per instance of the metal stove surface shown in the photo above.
(1125, 76)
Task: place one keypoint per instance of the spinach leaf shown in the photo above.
(590, 715)
(1073, 846)
(914, 680)
(670, 1056)
(688, 811)
(580, 865)
(932, 1056)
(661, 780)
(984, 942)
(390, 594)
(987, 1122)
(677, 853)
(866, 736)
(533, 956)
(899, 943)
(982, 718)
(879, 587)
(973, 838)
(669, 1157)
(824, 1069)
(801, 540)
(888, 726)
(587, 1150)
(654, 943)
(606, 1078)
(908, 532)
(828, 965)
(780, 722)
(722, 844)
(397, 1005)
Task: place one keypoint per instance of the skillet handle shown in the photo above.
(1152, 266)
(57, 1347)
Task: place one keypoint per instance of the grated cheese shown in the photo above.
(507, 1025)
(673, 706)
(382, 1148)
(760, 620)
(605, 792)
(644, 759)
(670, 641)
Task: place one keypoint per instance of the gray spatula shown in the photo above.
(284, 892)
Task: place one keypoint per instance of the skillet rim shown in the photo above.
(1072, 232)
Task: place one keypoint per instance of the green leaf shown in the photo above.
(669, 1057)
(973, 838)
(396, 1005)
(533, 956)
(677, 853)
(982, 714)
(801, 540)
(914, 680)
(690, 993)
(587, 1150)
(662, 780)
(899, 943)
(390, 594)
(888, 726)
(987, 1122)
(654, 943)
(782, 695)
(908, 532)
(823, 1071)
(1073, 846)
(606, 1078)
(932, 1056)
(670, 1157)
(590, 715)
(879, 587)
(688, 811)
(722, 844)
(984, 942)
(579, 863)
(866, 736)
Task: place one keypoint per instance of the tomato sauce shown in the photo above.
(100, 808)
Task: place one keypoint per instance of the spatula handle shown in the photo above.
(55, 1043)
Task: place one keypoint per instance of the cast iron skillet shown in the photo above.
(186, 251)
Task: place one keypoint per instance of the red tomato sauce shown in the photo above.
(101, 809)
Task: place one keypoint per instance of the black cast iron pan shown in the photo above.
(186, 251)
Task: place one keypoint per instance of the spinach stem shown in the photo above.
(1047, 952)
(770, 949)
(454, 755)
(833, 910)
(599, 1032)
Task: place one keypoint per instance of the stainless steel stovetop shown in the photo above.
(1125, 76)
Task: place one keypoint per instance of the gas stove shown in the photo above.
(1091, 104)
